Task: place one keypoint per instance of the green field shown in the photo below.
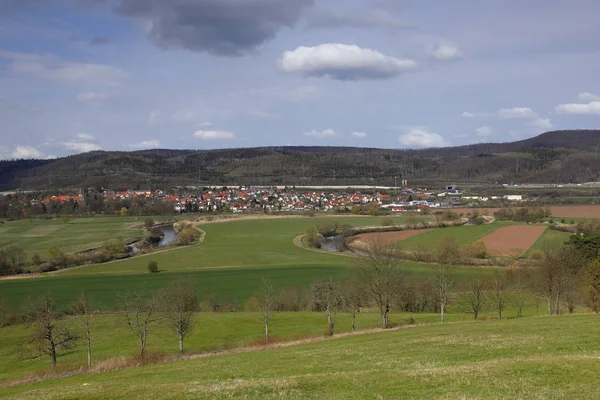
(37, 235)
(549, 237)
(463, 235)
(526, 358)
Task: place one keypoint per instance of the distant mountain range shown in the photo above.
(557, 156)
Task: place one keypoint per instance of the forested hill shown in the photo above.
(558, 156)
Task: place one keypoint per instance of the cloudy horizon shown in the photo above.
(86, 75)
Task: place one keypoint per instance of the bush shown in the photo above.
(36, 259)
(313, 238)
(475, 250)
(152, 267)
(186, 236)
(536, 255)
(387, 221)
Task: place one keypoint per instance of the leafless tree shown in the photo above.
(327, 296)
(476, 288)
(520, 280)
(500, 292)
(380, 278)
(268, 301)
(448, 252)
(83, 308)
(139, 311)
(16, 257)
(556, 275)
(49, 335)
(178, 302)
(443, 281)
(354, 299)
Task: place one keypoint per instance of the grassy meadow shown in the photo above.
(37, 235)
(525, 358)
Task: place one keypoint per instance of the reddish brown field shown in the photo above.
(505, 241)
(386, 238)
(557, 211)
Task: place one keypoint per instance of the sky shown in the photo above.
(85, 75)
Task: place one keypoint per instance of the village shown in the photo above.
(267, 199)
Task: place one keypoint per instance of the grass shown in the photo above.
(527, 358)
(463, 235)
(549, 237)
(37, 235)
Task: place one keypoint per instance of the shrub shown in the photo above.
(313, 238)
(186, 236)
(536, 255)
(475, 250)
(387, 221)
(36, 259)
(149, 223)
(252, 305)
(152, 267)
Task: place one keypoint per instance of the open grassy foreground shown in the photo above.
(532, 358)
(37, 235)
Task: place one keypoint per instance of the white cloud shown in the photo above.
(343, 62)
(82, 147)
(591, 108)
(516, 112)
(85, 136)
(327, 133)
(26, 152)
(359, 134)
(467, 114)
(214, 135)
(421, 137)
(447, 52)
(55, 69)
(587, 96)
(146, 144)
(543, 123)
(484, 131)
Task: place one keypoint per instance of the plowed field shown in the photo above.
(505, 241)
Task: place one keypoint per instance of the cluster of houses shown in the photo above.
(244, 199)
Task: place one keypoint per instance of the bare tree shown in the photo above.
(179, 302)
(443, 282)
(16, 257)
(354, 299)
(500, 292)
(49, 335)
(476, 290)
(520, 280)
(448, 252)
(380, 278)
(139, 312)
(556, 275)
(327, 297)
(83, 308)
(267, 299)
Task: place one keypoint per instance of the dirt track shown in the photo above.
(505, 241)
(389, 237)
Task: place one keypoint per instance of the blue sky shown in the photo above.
(82, 75)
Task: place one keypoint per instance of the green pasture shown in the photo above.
(38, 235)
(463, 235)
(525, 358)
(548, 238)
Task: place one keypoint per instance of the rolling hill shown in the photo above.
(557, 156)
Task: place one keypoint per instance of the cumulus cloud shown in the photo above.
(327, 133)
(342, 19)
(542, 123)
(26, 152)
(55, 69)
(343, 62)
(591, 108)
(359, 134)
(587, 96)
(214, 135)
(484, 131)
(220, 27)
(421, 137)
(82, 147)
(85, 136)
(516, 112)
(446, 52)
(467, 114)
(146, 144)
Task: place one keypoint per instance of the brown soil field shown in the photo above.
(386, 238)
(592, 211)
(505, 240)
